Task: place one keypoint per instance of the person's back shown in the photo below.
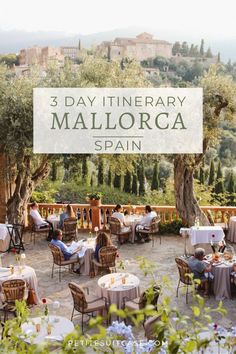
(197, 267)
(147, 219)
(63, 216)
(119, 216)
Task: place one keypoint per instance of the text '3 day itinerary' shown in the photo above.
(118, 120)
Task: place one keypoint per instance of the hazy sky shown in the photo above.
(209, 17)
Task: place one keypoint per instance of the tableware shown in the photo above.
(123, 280)
(49, 329)
(37, 327)
(112, 280)
(11, 269)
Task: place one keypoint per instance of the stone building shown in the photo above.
(139, 48)
(41, 56)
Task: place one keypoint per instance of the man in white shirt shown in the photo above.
(39, 221)
(145, 222)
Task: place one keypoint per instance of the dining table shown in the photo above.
(51, 329)
(23, 272)
(117, 286)
(85, 268)
(232, 230)
(54, 220)
(132, 220)
(206, 234)
(4, 237)
(221, 282)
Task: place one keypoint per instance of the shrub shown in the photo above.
(172, 227)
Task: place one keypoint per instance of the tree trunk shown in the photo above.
(25, 183)
(186, 203)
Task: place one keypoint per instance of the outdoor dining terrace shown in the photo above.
(91, 216)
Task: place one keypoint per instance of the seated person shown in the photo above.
(145, 222)
(118, 214)
(39, 222)
(57, 241)
(102, 240)
(200, 268)
(68, 213)
(233, 275)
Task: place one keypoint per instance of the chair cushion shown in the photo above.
(133, 305)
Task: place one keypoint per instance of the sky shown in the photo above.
(214, 19)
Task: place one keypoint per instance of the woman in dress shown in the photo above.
(102, 240)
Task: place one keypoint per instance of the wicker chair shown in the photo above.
(123, 233)
(69, 229)
(152, 230)
(149, 327)
(13, 290)
(184, 272)
(85, 304)
(149, 296)
(59, 259)
(107, 258)
(34, 229)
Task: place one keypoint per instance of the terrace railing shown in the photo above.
(90, 216)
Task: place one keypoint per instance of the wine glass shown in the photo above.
(56, 305)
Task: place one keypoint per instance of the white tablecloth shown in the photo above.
(232, 229)
(85, 267)
(4, 238)
(27, 274)
(132, 220)
(115, 292)
(54, 219)
(59, 329)
(206, 234)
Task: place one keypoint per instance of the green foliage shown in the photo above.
(219, 185)
(172, 227)
(211, 179)
(155, 180)
(135, 184)
(84, 167)
(100, 172)
(117, 181)
(109, 177)
(202, 175)
(94, 195)
(141, 176)
(9, 60)
(127, 182)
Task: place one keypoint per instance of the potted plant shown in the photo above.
(94, 198)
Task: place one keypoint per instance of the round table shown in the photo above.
(221, 281)
(60, 327)
(54, 219)
(115, 292)
(26, 273)
(86, 266)
(4, 238)
(132, 220)
(232, 229)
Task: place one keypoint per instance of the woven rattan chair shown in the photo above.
(150, 326)
(152, 230)
(85, 304)
(122, 232)
(148, 297)
(12, 290)
(107, 258)
(59, 259)
(69, 229)
(184, 272)
(34, 229)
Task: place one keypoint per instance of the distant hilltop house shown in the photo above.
(42, 56)
(142, 47)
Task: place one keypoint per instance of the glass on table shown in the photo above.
(49, 329)
(38, 326)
